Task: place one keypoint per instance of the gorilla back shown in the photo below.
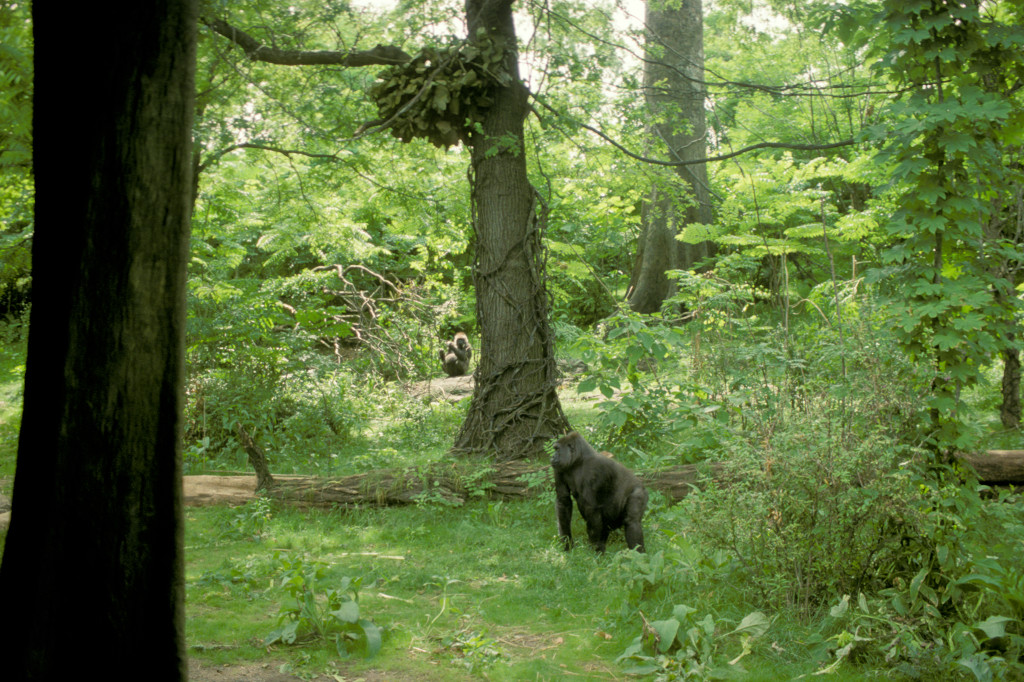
(607, 494)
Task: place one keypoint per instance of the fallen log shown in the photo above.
(456, 482)
(998, 467)
(453, 483)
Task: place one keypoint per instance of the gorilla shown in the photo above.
(607, 494)
(455, 357)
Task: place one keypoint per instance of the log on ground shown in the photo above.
(999, 467)
(457, 482)
(452, 483)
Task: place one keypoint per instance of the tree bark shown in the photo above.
(257, 51)
(998, 466)
(515, 407)
(674, 95)
(93, 560)
(1009, 408)
(257, 458)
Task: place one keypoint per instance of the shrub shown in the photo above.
(808, 515)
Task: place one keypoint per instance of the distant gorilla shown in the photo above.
(455, 357)
(607, 494)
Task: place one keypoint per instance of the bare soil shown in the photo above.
(267, 672)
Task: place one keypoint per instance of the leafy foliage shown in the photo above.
(685, 647)
(948, 141)
(17, 199)
(314, 610)
(442, 93)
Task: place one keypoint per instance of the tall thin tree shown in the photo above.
(515, 407)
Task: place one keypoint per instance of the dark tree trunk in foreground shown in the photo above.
(515, 408)
(674, 95)
(92, 573)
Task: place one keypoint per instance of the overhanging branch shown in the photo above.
(385, 55)
(709, 159)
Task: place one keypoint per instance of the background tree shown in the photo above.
(515, 407)
(675, 94)
(97, 526)
(15, 158)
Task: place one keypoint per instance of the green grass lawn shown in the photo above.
(479, 591)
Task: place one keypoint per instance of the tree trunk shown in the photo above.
(515, 408)
(93, 563)
(1009, 409)
(257, 458)
(674, 94)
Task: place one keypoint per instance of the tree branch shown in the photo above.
(382, 54)
(721, 157)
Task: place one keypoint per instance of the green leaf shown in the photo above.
(994, 626)
(348, 612)
(978, 665)
(441, 97)
(840, 609)
(754, 624)
(666, 630)
(915, 584)
(374, 639)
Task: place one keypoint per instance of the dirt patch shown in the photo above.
(266, 672)
(447, 388)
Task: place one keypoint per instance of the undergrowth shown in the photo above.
(828, 542)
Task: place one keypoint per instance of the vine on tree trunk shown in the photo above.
(486, 429)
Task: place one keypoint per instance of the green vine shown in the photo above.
(442, 93)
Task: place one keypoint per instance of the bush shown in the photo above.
(808, 515)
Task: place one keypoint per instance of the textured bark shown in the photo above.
(515, 408)
(1009, 408)
(93, 560)
(674, 95)
(998, 466)
(257, 458)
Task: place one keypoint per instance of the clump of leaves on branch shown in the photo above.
(442, 92)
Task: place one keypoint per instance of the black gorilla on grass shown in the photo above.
(607, 494)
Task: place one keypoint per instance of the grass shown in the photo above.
(12, 376)
(480, 590)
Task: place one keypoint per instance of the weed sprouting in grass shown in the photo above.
(474, 651)
(688, 646)
(318, 608)
(249, 521)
